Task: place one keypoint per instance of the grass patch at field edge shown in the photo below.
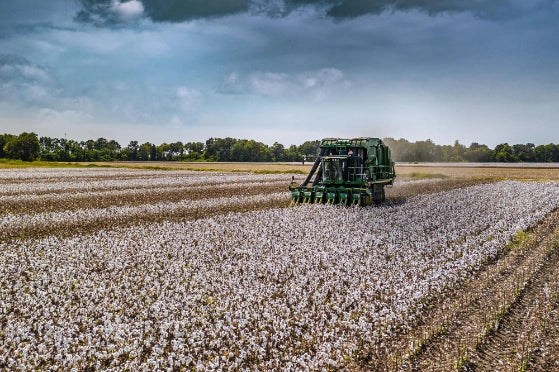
(425, 176)
(9, 163)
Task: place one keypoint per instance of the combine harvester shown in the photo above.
(350, 172)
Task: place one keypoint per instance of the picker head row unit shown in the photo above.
(347, 171)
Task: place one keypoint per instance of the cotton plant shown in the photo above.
(32, 204)
(65, 218)
(282, 288)
(62, 182)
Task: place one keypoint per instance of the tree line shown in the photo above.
(29, 147)
(427, 151)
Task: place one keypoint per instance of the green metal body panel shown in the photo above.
(348, 171)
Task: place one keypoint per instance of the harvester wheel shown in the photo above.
(378, 197)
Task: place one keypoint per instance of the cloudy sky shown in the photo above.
(281, 70)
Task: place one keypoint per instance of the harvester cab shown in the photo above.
(347, 171)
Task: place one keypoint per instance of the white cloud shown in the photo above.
(24, 83)
(233, 84)
(271, 84)
(18, 68)
(50, 116)
(175, 122)
(36, 92)
(33, 72)
(188, 98)
(129, 10)
(316, 84)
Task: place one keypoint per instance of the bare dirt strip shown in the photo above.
(545, 356)
(403, 190)
(510, 345)
(548, 171)
(68, 201)
(67, 226)
(495, 171)
(504, 318)
(134, 196)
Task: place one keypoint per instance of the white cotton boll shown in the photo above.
(247, 289)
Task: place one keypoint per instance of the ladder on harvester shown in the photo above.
(355, 169)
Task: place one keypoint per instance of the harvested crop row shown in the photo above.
(512, 341)
(145, 193)
(21, 175)
(545, 356)
(405, 188)
(33, 216)
(161, 179)
(41, 203)
(68, 222)
(292, 288)
(453, 326)
(53, 175)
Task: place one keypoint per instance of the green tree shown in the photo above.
(524, 153)
(478, 153)
(503, 153)
(49, 147)
(249, 150)
(75, 151)
(113, 145)
(89, 145)
(458, 151)
(292, 154)
(309, 148)
(176, 150)
(277, 152)
(133, 149)
(194, 150)
(25, 147)
(4, 139)
(162, 151)
(101, 143)
(426, 151)
(219, 149)
(545, 153)
(401, 149)
(144, 151)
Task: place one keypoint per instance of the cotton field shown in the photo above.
(156, 281)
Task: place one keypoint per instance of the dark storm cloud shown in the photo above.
(110, 11)
(103, 12)
(480, 8)
(22, 81)
(180, 10)
(17, 68)
(106, 11)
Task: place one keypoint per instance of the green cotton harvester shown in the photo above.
(349, 172)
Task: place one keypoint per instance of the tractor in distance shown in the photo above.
(348, 171)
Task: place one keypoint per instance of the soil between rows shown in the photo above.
(135, 196)
(511, 342)
(177, 194)
(474, 327)
(504, 318)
